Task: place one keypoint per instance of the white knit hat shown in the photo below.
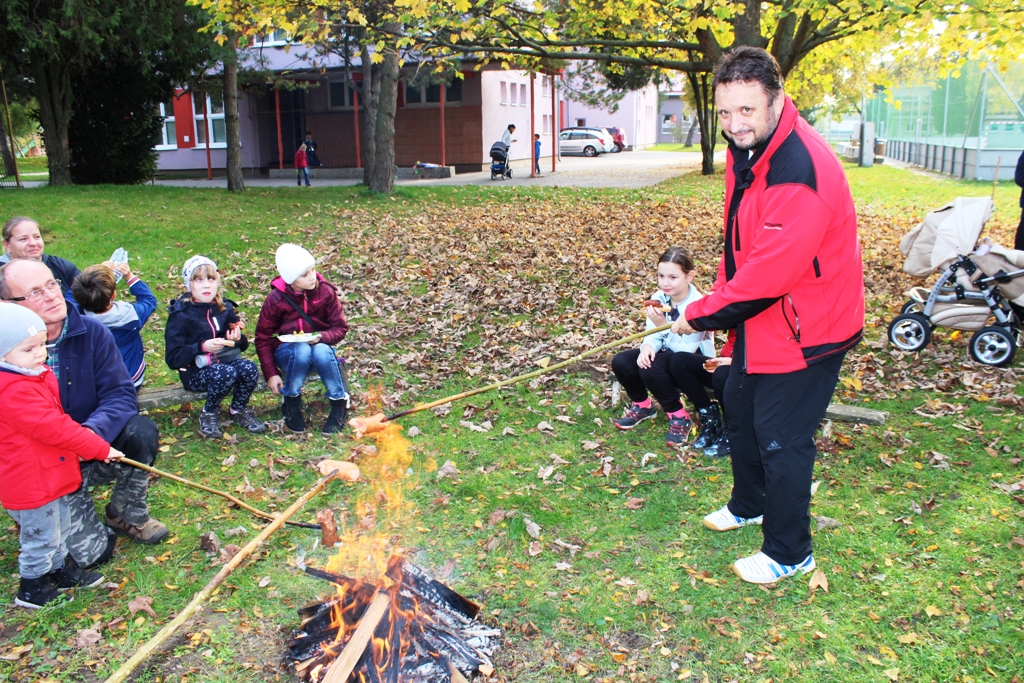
(17, 324)
(191, 265)
(293, 261)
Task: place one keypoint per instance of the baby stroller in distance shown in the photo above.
(499, 161)
(978, 282)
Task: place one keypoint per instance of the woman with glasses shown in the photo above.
(22, 240)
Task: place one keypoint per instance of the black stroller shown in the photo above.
(499, 161)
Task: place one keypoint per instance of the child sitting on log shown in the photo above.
(204, 343)
(301, 320)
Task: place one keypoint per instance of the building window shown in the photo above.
(275, 37)
(515, 91)
(668, 122)
(504, 92)
(545, 86)
(430, 95)
(169, 132)
(341, 95)
(522, 95)
(215, 129)
(581, 123)
(546, 118)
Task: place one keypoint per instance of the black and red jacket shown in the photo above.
(189, 324)
(791, 278)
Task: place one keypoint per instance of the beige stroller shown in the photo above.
(980, 288)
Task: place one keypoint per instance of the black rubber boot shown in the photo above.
(34, 593)
(73, 576)
(710, 427)
(720, 448)
(338, 416)
(291, 409)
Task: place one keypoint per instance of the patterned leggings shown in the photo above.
(238, 378)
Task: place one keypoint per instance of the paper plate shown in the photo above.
(303, 337)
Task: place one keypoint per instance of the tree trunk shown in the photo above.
(382, 173)
(53, 90)
(707, 118)
(231, 124)
(370, 99)
(689, 133)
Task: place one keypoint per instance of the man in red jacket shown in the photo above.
(791, 283)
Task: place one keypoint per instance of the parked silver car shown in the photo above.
(588, 142)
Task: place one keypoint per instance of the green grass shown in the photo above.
(33, 166)
(673, 147)
(450, 288)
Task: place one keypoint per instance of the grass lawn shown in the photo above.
(449, 288)
(33, 168)
(673, 147)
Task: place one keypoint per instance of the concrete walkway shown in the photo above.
(625, 170)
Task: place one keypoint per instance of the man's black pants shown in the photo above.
(771, 421)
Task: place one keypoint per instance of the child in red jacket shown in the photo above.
(39, 451)
(300, 322)
(301, 166)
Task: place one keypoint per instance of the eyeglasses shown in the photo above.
(53, 286)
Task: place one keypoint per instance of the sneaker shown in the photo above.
(73, 576)
(760, 568)
(678, 431)
(209, 425)
(150, 533)
(635, 415)
(35, 593)
(723, 520)
(246, 419)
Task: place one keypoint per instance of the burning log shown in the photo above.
(415, 630)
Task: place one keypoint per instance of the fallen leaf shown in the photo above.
(228, 461)
(831, 658)
(227, 552)
(208, 542)
(591, 445)
(535, 548)
(508, 431)
(413, 431)
(532, 527)
(544, 472)
(634, 503)
(496, 517)
(933, 611)
(87, 637)
(264, 582)
(448, 469)
(545, 426)
(908, 638)
(563, 566)
(826, 522)
(642, 596)
(818, 580)
(142, 603)
(556, 460)
(892, 674)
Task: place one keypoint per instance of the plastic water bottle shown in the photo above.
(119, 256)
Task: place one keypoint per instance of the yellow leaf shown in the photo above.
(170, 587)
(831, 658)
(933, 611)
(544, 362)
(892, 674)
(908, 638)
(683, 674)
(665, 652)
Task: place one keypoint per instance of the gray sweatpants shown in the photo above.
(44, 536)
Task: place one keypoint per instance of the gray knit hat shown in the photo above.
(17, 324)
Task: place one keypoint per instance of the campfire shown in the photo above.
(411, 629)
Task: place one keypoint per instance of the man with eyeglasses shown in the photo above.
(97, 392)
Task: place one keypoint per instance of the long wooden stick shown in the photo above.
(529, 375)
(222, 494)
(356, 645)
(202, 596)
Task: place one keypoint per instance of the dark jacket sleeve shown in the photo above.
(145, 300)
(115, 393)
(266, 328)
(230, 318)
(1018, 177)
(179, 351)
(335, 316)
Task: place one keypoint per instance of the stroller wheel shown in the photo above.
(993, 345)
(910, 332)
(912, 307)
(493, 175)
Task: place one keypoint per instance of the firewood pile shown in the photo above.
(415, 630)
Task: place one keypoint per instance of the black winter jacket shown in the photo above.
(189, 324)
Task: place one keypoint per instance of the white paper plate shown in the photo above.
(303, 337)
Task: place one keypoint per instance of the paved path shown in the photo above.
(625, 169)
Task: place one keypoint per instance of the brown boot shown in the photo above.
(150, 533)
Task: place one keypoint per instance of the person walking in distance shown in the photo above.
(791, 281)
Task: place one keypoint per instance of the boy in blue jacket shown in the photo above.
(95, 291)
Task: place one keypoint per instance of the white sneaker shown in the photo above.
(723, 520)
(760, 568)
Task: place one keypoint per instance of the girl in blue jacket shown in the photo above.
(204, 343)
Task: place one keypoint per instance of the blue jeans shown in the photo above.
(294, 360)
(302, 171)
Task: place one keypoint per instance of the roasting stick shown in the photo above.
(343, 474)
(375, 423)
(202, 596)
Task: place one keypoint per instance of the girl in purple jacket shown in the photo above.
(300, 322)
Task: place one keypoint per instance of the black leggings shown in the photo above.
(637, 381)
(688, 373)
(238, 378)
